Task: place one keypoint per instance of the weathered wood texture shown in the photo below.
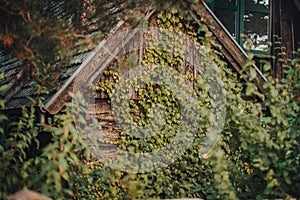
(285, 23)
(101, 141)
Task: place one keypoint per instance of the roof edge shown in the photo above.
(57, 101)
(82, 66)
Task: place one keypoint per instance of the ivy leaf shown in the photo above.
(252, 73)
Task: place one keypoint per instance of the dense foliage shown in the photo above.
(256, 157)
(51, 172)
(256, 145)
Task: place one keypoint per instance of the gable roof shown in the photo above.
(95, 63)
(91, 65)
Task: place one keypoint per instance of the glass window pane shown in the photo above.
(227, 17)
(260, 4)
(226, 1)
(256, 30)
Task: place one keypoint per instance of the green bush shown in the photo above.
(50, 173)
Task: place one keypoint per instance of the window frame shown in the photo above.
(240, 8)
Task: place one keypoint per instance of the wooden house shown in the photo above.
(229, 21)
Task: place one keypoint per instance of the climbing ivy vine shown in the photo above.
(258, 153)
(190, 175)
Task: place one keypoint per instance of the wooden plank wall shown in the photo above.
(285, 23)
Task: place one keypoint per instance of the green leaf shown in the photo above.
(252, 73)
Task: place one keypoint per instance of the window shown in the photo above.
(246, 20)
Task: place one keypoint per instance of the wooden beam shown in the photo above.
(93, 66)
(230, 48)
